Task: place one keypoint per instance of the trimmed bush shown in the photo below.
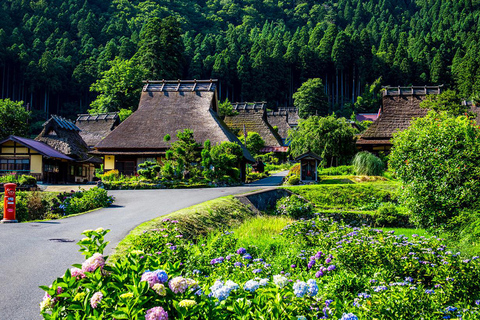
(294, 180)
(367, 164)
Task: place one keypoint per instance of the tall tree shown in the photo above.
(310, 99)
(161, 48)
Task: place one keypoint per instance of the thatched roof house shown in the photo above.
(64, 136)
(284, 119)
(400, 106)
(252, 117)
(94, 128)
(165, 107)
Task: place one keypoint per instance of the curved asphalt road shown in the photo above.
(34, 254)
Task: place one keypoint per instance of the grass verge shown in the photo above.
(194, 221)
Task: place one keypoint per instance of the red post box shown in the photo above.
(9, 203)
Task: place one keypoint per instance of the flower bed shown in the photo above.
(47, 205)
(324, 270)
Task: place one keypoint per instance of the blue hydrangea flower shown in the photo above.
(312, 287)
(300, 288)
(161, 275)
(238, 264)
(257, 271)
(247, 256)
(251, 285)
(301, 318)
(231, 285)
(348, 316)
(242, 251)
(429, 291)
(263, 282)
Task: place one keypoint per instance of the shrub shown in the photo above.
(253, 176)
(337, 171)
(367, 164)
(27, 180)
(294, 180)
(437, 160)
(111, 175)
(149, 169)
(387, 215)
(82, 201)
(294, 206)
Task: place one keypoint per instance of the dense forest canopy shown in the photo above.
(51, 52)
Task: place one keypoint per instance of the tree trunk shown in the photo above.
(336, 86)
(342, 91)
(353, 85)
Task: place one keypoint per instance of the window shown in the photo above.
(18, 165)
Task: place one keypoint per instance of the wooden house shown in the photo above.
(64, 136)
(27, 156)
(399, 106)
(165, 107)
(252, 117)
(95, 127)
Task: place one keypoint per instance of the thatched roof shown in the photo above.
(400, 106)
(63, 135)
(167, 107)
(284, 119)
(96, 127)
(253, 117)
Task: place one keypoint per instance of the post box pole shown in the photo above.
(9, 203)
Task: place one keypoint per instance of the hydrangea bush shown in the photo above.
(329, 271)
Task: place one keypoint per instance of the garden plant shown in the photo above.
(323, 270)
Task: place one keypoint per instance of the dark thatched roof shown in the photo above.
(63, 135)
(400, 106)
(167, 107)
(284, 119)
(253, 117)
(96, 127)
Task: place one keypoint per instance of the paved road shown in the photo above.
(34, 254)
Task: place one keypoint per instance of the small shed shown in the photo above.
(308, 166)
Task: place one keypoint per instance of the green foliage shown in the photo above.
(367, 164)
(293, 180)
(387, 215)
(225, 109)
(160, 48)
(347, 196)
(336, 171)
(181, 156)
(124, 114)
(149, 169)
(14, 119)
(382, 276)
(254, 143)
(225, 159)
(371, 99)
(260, 50)
(21, 180)
(310, 99)
(35, 205)
(448, 101)
(329, 137)
(294, 207)
(94, 242)
(254, 176)
(119, 88)
(436, 159)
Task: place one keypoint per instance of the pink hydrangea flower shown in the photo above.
(77, 273)
(178, 284)
(156, 313)
(150, 277)
(93, 263)
(96, 299)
